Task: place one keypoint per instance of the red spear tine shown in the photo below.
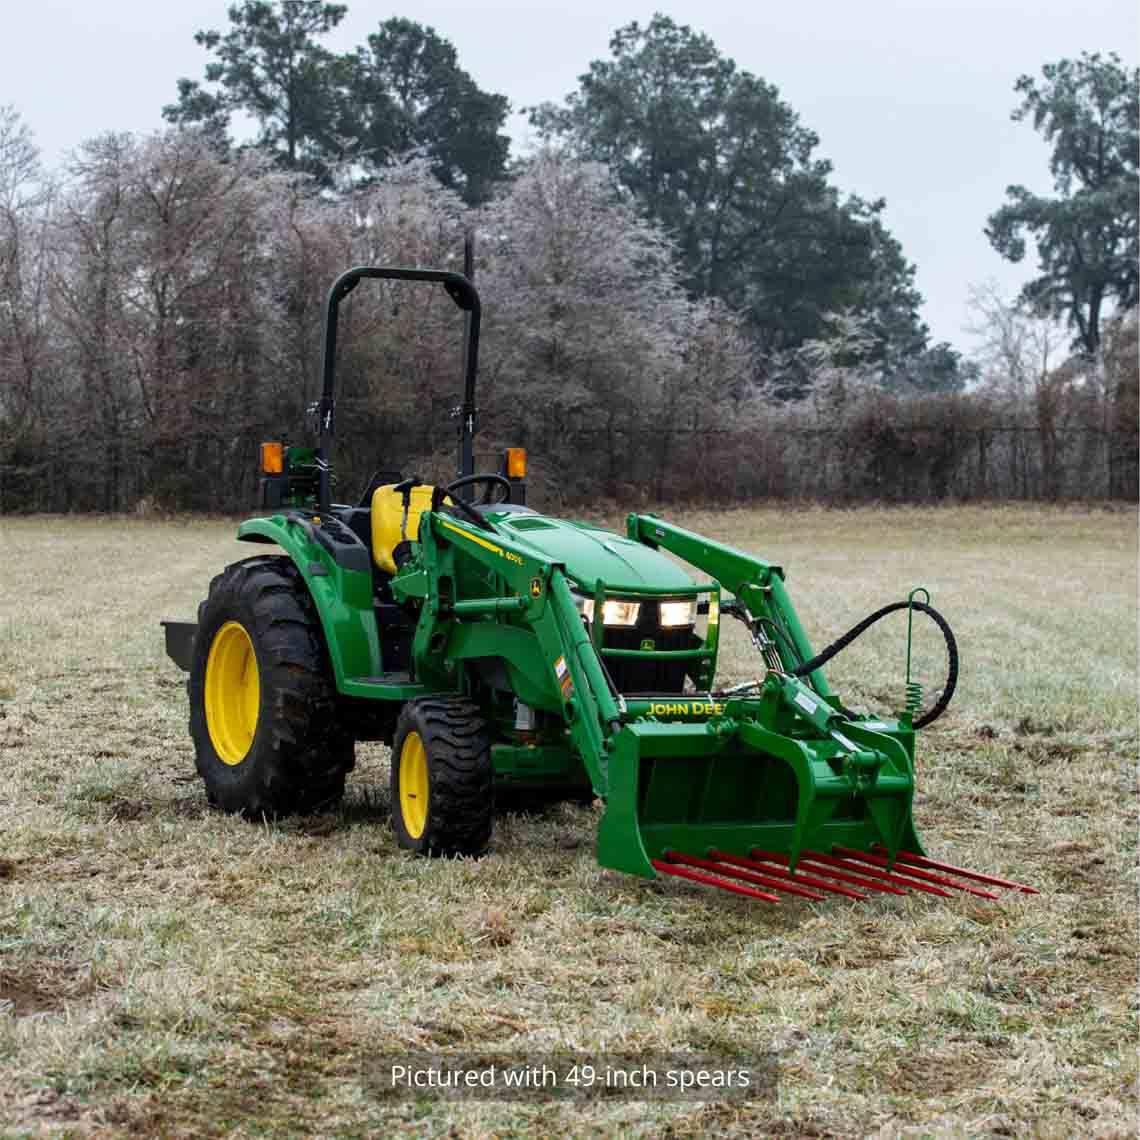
(709, 881)
(912, 872)
(875, 872)
(784, 874)
(736, 873)
(860, 881)
(949, 868)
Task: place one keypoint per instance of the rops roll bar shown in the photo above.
(462, 292)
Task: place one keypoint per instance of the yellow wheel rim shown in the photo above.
(233, 693)
(413, 785)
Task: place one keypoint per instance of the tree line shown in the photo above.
(678, 302)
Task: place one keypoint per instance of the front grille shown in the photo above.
(643, 675)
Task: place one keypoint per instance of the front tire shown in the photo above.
(442, 778)
(262, 697)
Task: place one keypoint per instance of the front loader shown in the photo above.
(504, 653)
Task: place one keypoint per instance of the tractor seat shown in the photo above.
(387, 514)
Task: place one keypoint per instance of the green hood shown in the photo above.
(588, 552)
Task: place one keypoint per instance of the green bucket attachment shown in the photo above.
(731, 802)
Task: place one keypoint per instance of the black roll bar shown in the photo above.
(462, 292)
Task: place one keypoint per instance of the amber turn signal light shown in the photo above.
(516, 462)
(272, 458)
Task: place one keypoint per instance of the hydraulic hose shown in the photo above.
(821, 659)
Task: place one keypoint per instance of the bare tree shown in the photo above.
(588, 318)
(1025, 358)
(25, 218)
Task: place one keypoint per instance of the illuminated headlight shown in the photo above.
(614, 611)
(673, 614)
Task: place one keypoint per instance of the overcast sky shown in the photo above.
(910, 100)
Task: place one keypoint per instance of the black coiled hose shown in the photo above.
(821, 659)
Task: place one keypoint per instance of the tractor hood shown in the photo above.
(589, 552)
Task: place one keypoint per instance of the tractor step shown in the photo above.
(853, 874)
(394, 686)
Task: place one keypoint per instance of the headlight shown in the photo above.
(673, 614)
(614, 611)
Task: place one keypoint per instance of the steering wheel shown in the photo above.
(492, 482)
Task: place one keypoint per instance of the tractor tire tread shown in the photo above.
(455, 736)
(302, 756)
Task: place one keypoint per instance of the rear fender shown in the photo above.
(339, 582)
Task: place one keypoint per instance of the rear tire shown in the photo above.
(263, 714)
(442, 798)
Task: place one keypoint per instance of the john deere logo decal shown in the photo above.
(648, 645)
(536, 587)
(686, 708)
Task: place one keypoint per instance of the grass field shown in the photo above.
(167, 970)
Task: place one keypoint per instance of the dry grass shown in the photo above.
(167, 970)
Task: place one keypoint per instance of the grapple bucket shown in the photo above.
(732, 804)
(772, 788)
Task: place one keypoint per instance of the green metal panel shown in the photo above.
(385, 688)
(532, 679)
(736, 784)
(589, 553)
(343, 598)
(536, 765)
(686, 707)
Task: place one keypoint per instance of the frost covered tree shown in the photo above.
(26, 377)
(586, 316)
(160, 307)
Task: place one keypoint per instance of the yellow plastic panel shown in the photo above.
(387, 514)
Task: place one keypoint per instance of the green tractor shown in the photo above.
(505, 653)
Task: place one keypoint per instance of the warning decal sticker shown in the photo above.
(565, 681)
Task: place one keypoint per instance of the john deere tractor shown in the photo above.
(503, 652)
